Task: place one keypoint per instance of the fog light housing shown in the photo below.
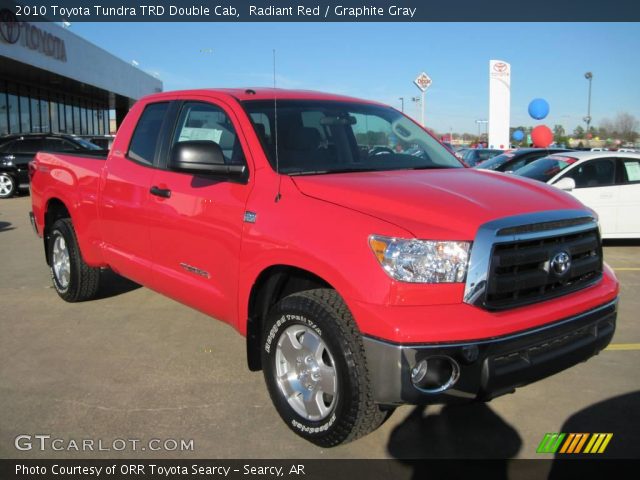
(435, 374)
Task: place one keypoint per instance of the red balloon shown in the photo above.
(542, 137)
(589, 136)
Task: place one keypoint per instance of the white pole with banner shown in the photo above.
(499, 103)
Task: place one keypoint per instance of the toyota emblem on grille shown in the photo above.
(560, 263)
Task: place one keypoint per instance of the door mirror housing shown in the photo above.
(566, 183)
(202, 157)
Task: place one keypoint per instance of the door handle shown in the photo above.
(160, 192)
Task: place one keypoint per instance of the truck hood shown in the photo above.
(436, 204)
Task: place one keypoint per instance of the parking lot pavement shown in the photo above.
(136, 365)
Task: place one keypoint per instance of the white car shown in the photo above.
(607, 182)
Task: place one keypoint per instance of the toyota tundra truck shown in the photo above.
(365, 265)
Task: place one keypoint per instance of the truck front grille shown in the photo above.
(524, 272)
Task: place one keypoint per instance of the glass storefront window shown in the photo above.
(96, 129)
(44, 116)
(35, 116)
(68, 113)
(4, 122)
(25, 118)
(76, 120)
(83, 120)
(55, 124)
(61, 118)
(14, 117)
(100, 114)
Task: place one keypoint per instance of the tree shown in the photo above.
(625, 127)
(578, 132)
(559, 135)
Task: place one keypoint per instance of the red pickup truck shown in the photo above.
(366, 266)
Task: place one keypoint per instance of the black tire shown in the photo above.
(352, 413)
(9, 185)
(82, 280)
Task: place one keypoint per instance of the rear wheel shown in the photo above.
(8, 185)
(315, 369)
(72, 278)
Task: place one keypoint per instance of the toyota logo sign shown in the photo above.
(9, 26)
(500, 67)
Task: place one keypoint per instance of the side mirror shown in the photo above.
(566, 183)
(203, 157)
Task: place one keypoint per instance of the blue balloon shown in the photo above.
(518, 135)
(538, 108)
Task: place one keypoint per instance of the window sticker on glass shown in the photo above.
(633, 171)
(192, 133)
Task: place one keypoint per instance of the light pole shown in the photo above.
(587, 119)
(401, 104)
(481, 122)
(417, 101)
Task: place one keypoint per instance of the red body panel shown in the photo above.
(320, 224)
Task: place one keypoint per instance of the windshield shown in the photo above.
(544, 169)
(316, 137)
(86, 144)
(495, 162)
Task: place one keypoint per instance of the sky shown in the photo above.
(379, 61)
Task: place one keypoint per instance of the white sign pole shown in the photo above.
(422, 81)
(499, 103)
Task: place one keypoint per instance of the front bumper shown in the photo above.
(493, 367)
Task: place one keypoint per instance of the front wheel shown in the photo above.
(315, 369)
(72, 278)
(8, 185)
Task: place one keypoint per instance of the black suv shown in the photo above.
(16, 151)
(513, 160)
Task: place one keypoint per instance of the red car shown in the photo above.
(363, 276)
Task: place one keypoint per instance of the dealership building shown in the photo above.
(51, 80)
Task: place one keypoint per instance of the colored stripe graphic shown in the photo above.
(550, 443)
(573, 443)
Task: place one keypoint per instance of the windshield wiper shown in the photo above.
(325, 172)
(355, 170)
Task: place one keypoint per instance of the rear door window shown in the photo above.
(59, 145)
(594, 173)
(631, 170)
(144, 142)
(28, 145)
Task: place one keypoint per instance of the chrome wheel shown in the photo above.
(60, 261)
(6, 185)
(306, 373)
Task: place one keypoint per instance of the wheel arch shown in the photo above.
(271, 285)
(55, 209)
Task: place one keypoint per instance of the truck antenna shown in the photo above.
(275, 122)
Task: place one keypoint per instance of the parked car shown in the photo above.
(16, 151)
(515, 159)
(607, 182)
(361, 281)
(473, 156)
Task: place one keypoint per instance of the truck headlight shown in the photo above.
(421, 261)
